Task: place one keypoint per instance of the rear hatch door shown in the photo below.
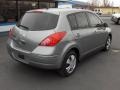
(33, 28)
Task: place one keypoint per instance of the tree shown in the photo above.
(97, 3)
(111, 4)
(94, 3)
(106, 3)
(3, 9)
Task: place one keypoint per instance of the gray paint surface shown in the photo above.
(98, 72)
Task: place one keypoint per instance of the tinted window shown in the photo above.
(94, 20)
(81, 20)
(38, 21)
(72, 21)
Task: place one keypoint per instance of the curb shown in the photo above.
(5, 24)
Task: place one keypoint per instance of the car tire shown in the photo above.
(69, 64)
(118, 21)
(108, 44)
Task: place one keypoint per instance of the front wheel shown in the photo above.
(118, 21)
(69, 64)
(108, 44)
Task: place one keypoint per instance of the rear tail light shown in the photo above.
(53, 39)
(11, 33)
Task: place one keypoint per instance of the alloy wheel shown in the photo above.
(108, 44)
(71, 63)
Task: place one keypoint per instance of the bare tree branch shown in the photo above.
(106, 3)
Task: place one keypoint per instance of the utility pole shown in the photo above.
(56, 4)
(38, 3)
(17, 11)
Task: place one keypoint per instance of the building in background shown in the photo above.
(107, 10)
(74, 4)
(12, 10)
(62, 5)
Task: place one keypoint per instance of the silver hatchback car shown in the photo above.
(57, 38)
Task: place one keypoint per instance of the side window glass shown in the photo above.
(72, 21)
(94, 20)
(81, 20)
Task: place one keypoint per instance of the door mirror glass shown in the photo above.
(105, 25)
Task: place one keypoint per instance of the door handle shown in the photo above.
(99, 28)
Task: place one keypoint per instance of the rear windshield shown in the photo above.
(36, 21)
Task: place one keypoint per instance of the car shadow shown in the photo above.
(112, 23)
(91, 57)
(34, 72)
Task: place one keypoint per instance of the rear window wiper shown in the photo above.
(23, 26)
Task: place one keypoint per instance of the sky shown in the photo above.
(116, 2)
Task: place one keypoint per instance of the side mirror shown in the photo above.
(102, 25)
(98, 25)
(105, 24)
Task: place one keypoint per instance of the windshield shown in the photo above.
(38, 21)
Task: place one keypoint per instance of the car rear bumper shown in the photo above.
(41, 61)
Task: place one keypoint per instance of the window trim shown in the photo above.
(89, 19)
(77, 28)
(70, 22)
(19, 22)
(86, 19)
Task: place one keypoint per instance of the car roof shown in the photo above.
(59, 10)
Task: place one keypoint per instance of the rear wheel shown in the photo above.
(108, 44)
(69, 64)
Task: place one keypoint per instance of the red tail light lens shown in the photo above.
(11, 33)
(53, 39)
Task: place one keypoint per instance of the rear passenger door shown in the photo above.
(83, 34)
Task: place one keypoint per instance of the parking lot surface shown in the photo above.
(100, 71)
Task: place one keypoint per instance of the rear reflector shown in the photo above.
(53, 39)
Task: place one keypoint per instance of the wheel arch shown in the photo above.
(76, 50)
(72, 48)
(110, 36)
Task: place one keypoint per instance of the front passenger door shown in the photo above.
(100, 33)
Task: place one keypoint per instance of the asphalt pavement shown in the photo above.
(100, 71)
